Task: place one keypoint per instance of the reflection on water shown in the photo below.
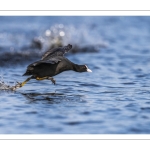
(51, 98)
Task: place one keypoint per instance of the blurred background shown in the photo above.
(26, 38)
(113, 99)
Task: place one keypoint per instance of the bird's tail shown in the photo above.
(27, 73)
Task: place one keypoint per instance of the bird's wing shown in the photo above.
(40, 62)
(52, 54)
(52, 61)
(43, 61)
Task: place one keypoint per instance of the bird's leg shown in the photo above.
(23, 83)
(49, 78)
(19, 85)
(52, 79)
(38, 78)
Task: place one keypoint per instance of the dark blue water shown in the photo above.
(113, 99)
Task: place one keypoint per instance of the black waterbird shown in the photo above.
(52, 63)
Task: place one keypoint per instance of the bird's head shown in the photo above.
(84, 68)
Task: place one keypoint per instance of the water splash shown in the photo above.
(81, 38)
(31, 48)
(6, 86)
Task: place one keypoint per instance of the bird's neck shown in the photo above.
(76, 67)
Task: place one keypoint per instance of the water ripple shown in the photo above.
(113, 99)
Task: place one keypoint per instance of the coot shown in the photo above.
(52, 63)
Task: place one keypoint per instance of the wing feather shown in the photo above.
(53, 53)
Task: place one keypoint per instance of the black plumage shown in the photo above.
(52, 63)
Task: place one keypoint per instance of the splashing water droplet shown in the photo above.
(62, 33)
(47, 32)
(6, 86)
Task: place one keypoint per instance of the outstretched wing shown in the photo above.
(52, 54)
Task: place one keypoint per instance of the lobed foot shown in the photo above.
(18, 85)
(52, 79)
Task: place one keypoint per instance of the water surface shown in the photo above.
(113, 99)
